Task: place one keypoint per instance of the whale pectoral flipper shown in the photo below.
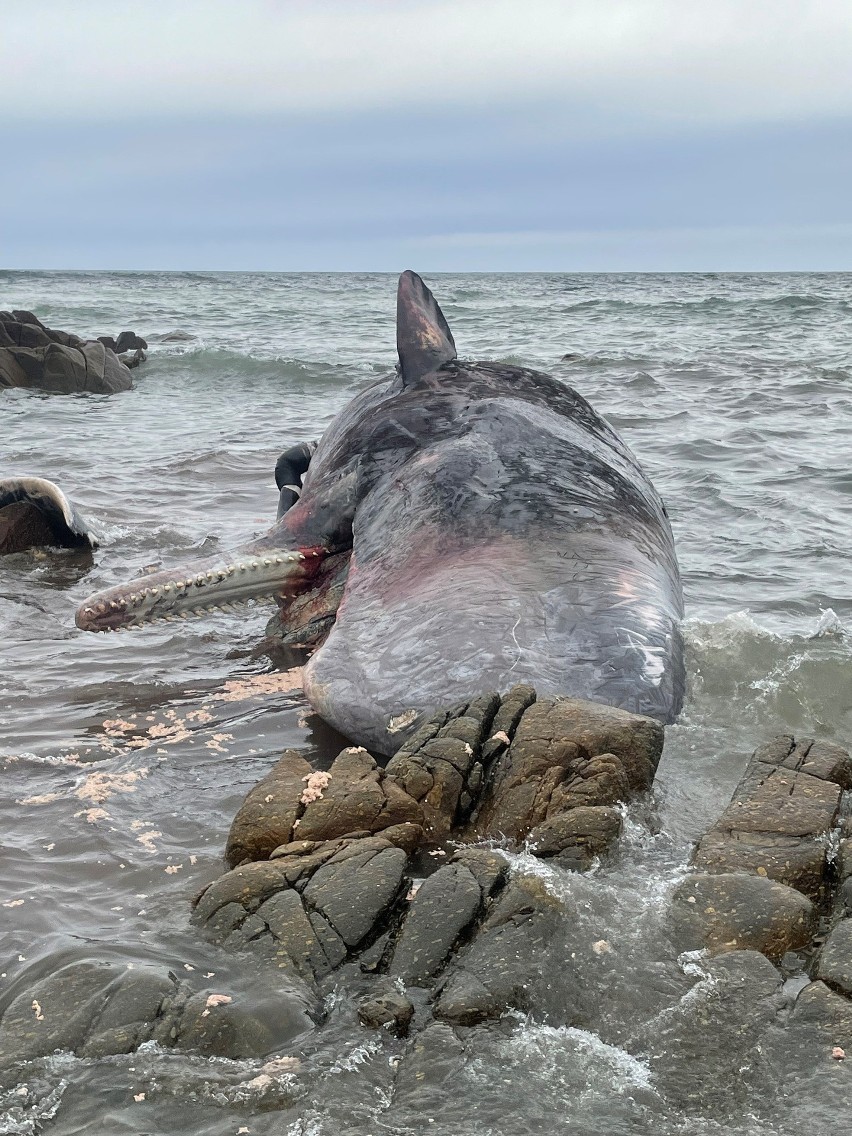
(290, 470)
(423, 338)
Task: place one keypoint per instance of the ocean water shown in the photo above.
(124, 758)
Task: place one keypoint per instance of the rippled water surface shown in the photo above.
(735, 391)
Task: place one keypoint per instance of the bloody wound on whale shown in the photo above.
(461, 527)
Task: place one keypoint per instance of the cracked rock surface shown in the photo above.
(357, 865)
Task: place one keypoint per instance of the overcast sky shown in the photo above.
(465, 135)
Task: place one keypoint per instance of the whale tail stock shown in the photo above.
(423, 338)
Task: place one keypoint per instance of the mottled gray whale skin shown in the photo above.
(468, 526)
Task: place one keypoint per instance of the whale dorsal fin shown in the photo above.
(423, 339)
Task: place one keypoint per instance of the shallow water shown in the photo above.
(735, 391)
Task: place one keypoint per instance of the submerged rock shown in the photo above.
(97, 1009)
(706, 1054)
(390, 1009)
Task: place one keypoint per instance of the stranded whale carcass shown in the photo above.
(34, 512)
(462, 527)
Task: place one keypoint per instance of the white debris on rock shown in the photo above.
(314, 785)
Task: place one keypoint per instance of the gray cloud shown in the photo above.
(376, 191)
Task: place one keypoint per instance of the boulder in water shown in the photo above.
(734, 911)
(35, 356)
(781, 814)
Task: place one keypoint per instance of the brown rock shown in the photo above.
(779, 817)
(390, 1009)
(567, 753)
(790, 860)
(22, 527)
(825, 760)
(732, 911)
(577, 836)
(266, 817)
(357, 796)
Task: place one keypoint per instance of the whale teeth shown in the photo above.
(166, 588)
(154, 593)
(199, 580)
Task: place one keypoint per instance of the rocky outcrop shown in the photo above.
(780, 817)
(343, 866)
(33, 355)
(774, 877)
(383, 918)
(707, 1052)
(768, 864)
(359, 877)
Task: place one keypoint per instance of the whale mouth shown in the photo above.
(225, 582)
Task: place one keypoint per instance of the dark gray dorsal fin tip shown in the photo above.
(423, 338)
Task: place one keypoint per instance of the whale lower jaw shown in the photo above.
(228, 582)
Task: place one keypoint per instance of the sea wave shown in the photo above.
(742, 673)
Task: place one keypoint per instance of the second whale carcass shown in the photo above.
(461, 527)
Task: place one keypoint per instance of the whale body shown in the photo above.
(460, 527)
